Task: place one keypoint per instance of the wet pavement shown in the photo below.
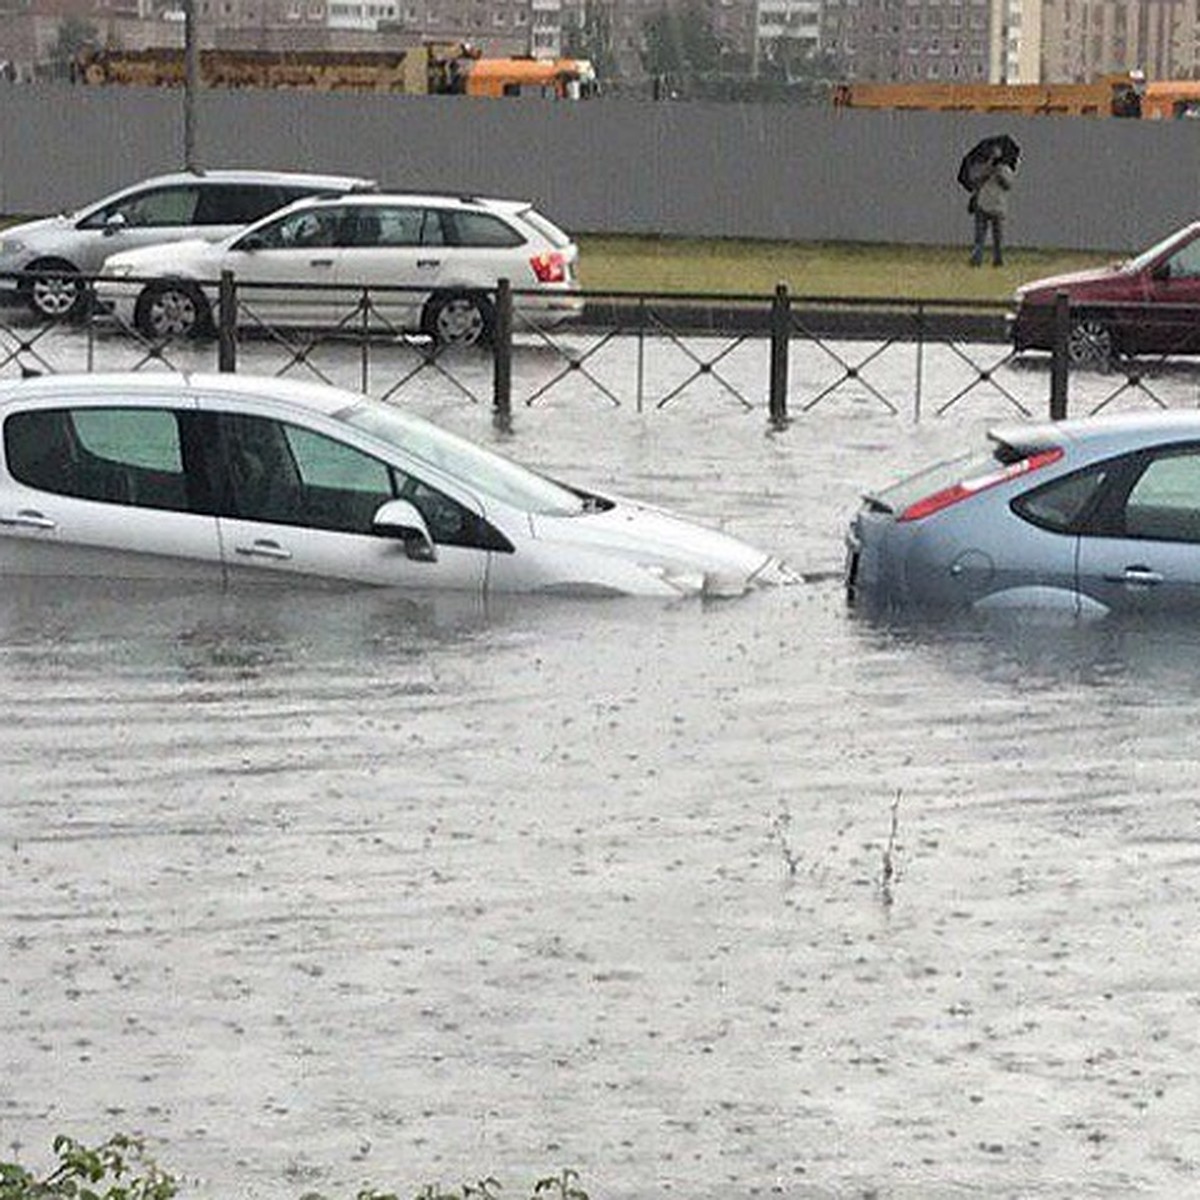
(318, 889)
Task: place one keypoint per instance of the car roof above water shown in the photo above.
(1123, 431)
(101, 389)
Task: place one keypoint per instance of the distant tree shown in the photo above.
(680, 47)
(591, 37)
(74, 34)
(790, 60)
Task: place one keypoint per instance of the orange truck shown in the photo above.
(1110, 96)
(435, 69)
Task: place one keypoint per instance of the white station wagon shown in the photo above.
(424, 264)
(228, 478)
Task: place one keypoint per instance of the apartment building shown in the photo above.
(1015, 41)
(913, 40)
(1086, 38)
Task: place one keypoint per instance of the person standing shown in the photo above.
(989, 204)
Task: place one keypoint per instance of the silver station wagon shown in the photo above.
(51, 252)
(1093, 516)
(236, 478)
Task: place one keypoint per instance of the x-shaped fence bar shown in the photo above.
(819, 350)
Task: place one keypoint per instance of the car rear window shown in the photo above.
(547, 228)
(912, 488)
(483, 229)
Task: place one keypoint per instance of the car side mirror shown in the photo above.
(1161, 271)
(255, 241)
(401, 519)
(114, 223)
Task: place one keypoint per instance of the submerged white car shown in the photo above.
(230, 478)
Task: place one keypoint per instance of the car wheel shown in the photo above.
(55, 292)
(1090, 343)
(172, 310)
(458, 319)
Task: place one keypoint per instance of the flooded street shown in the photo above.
(321, 889)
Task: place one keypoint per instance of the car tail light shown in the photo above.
(966, 488)
(549, 267)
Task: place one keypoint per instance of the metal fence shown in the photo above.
(780, 356)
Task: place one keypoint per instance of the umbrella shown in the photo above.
(971, 168)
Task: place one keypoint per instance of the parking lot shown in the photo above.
(741, 898)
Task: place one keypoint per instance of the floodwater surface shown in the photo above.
(321, 889)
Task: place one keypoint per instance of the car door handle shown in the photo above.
(27, 518)
(428, 264)
(1139, 575)
(320, 262)
(263, 548)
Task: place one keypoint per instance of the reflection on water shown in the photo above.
(1030, 649)
(162, 628)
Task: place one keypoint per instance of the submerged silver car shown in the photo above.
(1097, 515)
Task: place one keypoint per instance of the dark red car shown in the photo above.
(1149, 304)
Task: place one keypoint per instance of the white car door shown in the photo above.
(300, 502)
(103, 493)
(393, 246)
(284, 270)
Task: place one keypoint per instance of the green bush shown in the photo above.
(120, 1169)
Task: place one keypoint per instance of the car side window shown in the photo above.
(483, 230)
(1062, 505)
(342, 487)
(310, 228)
(235, 203)
(1185, 263)
(1164, 502)
(398, 226)
(158, 207)
(290, 475)
(129, 456)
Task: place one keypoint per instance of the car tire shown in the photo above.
(1090, 344)
(54, 290)
(172, 309)
(459, 319)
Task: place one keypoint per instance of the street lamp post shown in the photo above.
(191, 79)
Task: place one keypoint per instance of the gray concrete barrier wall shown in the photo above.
(627, 166)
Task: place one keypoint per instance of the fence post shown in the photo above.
(781, 331)
(502, 359)
(227, 323)
(1059, 365)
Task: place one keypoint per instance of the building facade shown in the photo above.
(1011, 41)
(1086, 38)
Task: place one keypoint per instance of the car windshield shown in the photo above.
(1147, 257)
(473, 465)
